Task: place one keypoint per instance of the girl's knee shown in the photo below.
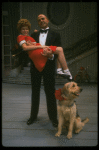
(59, 49)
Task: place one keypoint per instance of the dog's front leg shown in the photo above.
(69, 135)
(60, 124)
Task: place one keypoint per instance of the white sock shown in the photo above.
(67, 72)
(59, 69)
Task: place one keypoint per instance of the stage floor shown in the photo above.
(16, 104)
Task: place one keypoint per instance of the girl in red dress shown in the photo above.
(36, 51)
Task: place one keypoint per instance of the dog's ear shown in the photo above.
(67, 85)
(63, 89)
(63, 92)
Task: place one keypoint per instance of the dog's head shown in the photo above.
(70, 90)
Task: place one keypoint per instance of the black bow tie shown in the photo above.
(43, 31)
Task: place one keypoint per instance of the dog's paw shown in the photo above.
(57, 134)
(69, 136)
(78, 130)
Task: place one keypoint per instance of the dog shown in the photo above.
(67, 110)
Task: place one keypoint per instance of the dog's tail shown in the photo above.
(85, 121)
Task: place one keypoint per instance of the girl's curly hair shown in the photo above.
(23, 22)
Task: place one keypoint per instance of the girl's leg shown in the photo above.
(62, 61)
(58, 64)
(61, 58)
(59, 68)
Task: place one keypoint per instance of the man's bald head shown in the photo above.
(42, 21)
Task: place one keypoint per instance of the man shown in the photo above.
(49, 38)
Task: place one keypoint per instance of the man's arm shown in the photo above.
(57, 41)
(48, 53)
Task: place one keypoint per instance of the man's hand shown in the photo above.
(47, 52)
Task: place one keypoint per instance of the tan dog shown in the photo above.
(67, 110)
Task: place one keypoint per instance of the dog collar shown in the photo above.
(71, 105)
(58, 95)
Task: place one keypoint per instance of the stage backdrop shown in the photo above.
(77, 20)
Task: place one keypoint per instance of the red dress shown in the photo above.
(35, 55)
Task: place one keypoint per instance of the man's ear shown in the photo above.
(35, 30)
(47, 20)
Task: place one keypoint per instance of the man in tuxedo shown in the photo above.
(45, 37)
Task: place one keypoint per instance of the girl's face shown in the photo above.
(25, 30)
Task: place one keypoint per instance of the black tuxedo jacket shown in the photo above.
(53, 38)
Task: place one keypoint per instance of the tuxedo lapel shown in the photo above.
(37, 37)
(49, 36)
(48, 39)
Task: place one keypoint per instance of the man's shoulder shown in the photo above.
(34, 34)
(56, 37)
(53, 31)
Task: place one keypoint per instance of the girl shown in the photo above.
(35, 51)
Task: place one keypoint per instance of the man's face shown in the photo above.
(42, 21)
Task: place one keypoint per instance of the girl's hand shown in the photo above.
(33, 43)
(45, 48)
(29, 42)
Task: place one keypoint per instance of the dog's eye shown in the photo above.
(73, 85)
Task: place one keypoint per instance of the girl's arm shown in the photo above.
(32, 47)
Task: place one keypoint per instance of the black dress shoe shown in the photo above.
(31, 121)
(70, 80)
(64, 76)
(55, 124)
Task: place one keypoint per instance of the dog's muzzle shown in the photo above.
(77, 94)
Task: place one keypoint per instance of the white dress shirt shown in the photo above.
(42, 39)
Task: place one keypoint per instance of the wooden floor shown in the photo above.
(16, 104)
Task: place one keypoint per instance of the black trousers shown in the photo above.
(48, 75)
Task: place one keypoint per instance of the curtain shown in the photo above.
(14, 16)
